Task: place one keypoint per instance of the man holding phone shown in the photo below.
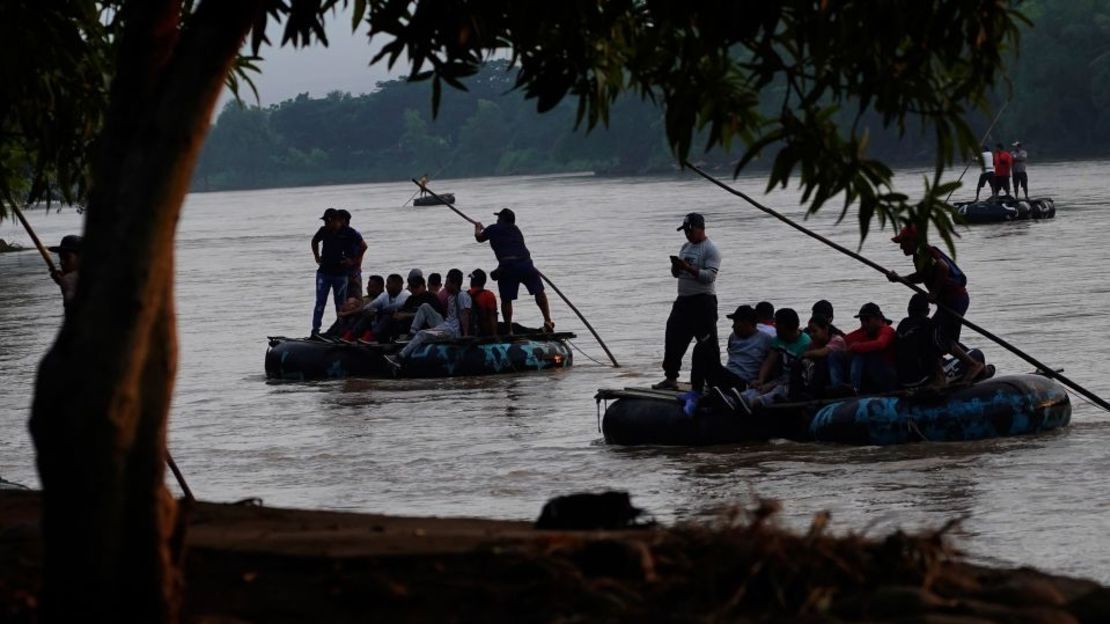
(694, 313)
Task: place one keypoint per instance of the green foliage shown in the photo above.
(921, 65)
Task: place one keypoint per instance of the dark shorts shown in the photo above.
(949, 326)
(1021, 178)
(986, 178)
(512, 274)
(1003, 182)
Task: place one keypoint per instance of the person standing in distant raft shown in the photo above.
(694, 313)
(1002, 163)
(69, 261)
(514, 266)
(986, 159)
(423, 185)
(1020, 157)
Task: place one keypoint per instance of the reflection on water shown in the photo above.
(500, 446)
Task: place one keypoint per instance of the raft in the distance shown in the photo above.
(304, 359)
(1005, 208)
(1003, 406)
(434, 200)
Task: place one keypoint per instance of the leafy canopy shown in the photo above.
(915, 63)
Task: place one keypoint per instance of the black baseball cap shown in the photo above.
(506, 215)
(330, 213)
(70, 242)
(743, 313)
(692, 220)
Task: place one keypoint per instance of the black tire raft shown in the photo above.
(303, 359)
(433, 200)
(1004, 406)
(1005, 208)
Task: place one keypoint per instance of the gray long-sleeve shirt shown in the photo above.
(707, 259)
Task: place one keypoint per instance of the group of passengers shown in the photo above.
(772, 357)
(416, 309)
(425, 309)
(999, 165)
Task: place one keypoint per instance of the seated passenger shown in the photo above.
(483, 320)
(435, 286)
(920, 347)
(765, 318)
(375, 286)
(401, 320)
(347, 318)
(781, 363)
(825, 309)
(455, 325)
(385, 304)
(747, 349)
(869, 360)
(815, 362)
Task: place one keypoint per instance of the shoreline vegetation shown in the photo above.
(247, 563)
(1055, 99)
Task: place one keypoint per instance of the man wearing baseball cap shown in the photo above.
(947, 286)
(514, 266)
(1020, 157)
(694, 312)
(869, 356)
(69, 261)
(334, 262)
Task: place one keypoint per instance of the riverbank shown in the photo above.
(258, 564)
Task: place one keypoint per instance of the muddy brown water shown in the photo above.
(500, 446)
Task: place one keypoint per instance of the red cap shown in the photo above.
(908, 233)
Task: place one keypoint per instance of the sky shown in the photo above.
(317, 70)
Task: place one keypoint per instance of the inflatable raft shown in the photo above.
(304, 359)
(1006, 208)
(432, 200)
(1003, 406)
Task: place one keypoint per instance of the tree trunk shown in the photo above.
(103, 391)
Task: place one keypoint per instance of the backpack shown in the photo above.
(955, 275)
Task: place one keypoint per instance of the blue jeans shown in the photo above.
(869, 368)
(324, 282)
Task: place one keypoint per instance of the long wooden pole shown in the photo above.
(981, 142)
(53, 269)
(542, 276)
(1041, 367)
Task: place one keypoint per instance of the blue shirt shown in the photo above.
(507, 241)
(341, 245)
(746, 355)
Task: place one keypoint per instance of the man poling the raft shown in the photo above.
(449, 203)
(514, 266)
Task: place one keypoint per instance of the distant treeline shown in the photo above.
(1059, 106)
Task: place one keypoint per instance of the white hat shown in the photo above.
(1017, 143)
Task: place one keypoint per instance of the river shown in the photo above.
(501, 446)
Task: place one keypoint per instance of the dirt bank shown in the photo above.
(255, 564)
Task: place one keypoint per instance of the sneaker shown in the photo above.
(723, 398)
(745, 407)
(363, 341)
(666, 384)
(393, 361)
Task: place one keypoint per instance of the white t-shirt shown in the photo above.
(988, 162)
(385, 304)
(451, 323)
(707, 259)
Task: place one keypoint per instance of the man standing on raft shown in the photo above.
(947, 286)
(694, 313)
(514, 266)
